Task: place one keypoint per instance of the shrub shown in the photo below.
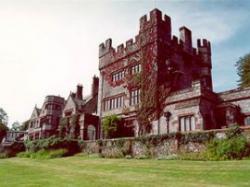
(109, 125)
(234, 131)
(24, 154)
(142, 157)
(229, 148)
(43, 154)
(53, 143)
(3, 155)
(57, 153)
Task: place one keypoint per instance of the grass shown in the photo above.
(85, 171)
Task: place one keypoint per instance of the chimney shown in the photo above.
(95, 86)
(79, 91)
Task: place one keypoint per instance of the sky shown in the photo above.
(47, 47)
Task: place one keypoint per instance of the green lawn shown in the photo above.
(84, 171)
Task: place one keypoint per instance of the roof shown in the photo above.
(36, 112)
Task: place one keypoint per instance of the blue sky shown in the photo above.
(47, 47)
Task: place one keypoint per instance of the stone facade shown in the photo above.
(44, 122)
(156, 146)
(80, 114)
(177, 73)
(184, 71)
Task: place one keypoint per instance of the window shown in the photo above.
(113, 103)
(187, 123)
(118, 75)
(247, 120)
(135, 97)
(136, 69)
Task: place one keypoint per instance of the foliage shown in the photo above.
(24, 126)
(110, 125)
(16, 126)
(12, 150)
(155, 83)
(229, 148)
(3, 124)
(3, 155)
(233, 131)
(69, 126)
(3, 130)
(3, 117)
(43, 154)
(234, 146)
(75, 127)
(243, 70)
(52, 143)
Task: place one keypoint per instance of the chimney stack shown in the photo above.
(79, 91)
(95, 86)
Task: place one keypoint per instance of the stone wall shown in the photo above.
(156, 146)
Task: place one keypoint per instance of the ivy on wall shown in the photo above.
(69, 126)
(154, 82)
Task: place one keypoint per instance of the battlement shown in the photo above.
(155, 17)
(204, 46)
(154, 27)
(186, 38)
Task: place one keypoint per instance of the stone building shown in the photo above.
(44, 122)
(79, 117)
(177, 74)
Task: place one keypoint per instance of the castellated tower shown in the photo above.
(165, 60)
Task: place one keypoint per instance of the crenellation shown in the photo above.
(175, 40)
(120, 49)
(204, 46)
(155, 16)
(143, 21)
(167, 19)
(129, 42)
(180, 43)
(105, 48)
(108, 43)
(195, 51)
(186, 37)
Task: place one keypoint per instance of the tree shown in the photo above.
(243, 70)
(3, 117)
(110, 125)
(3, 123)
(16, 126)
(24, 126)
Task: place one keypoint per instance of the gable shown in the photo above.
(35, 113)
(70, 105)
